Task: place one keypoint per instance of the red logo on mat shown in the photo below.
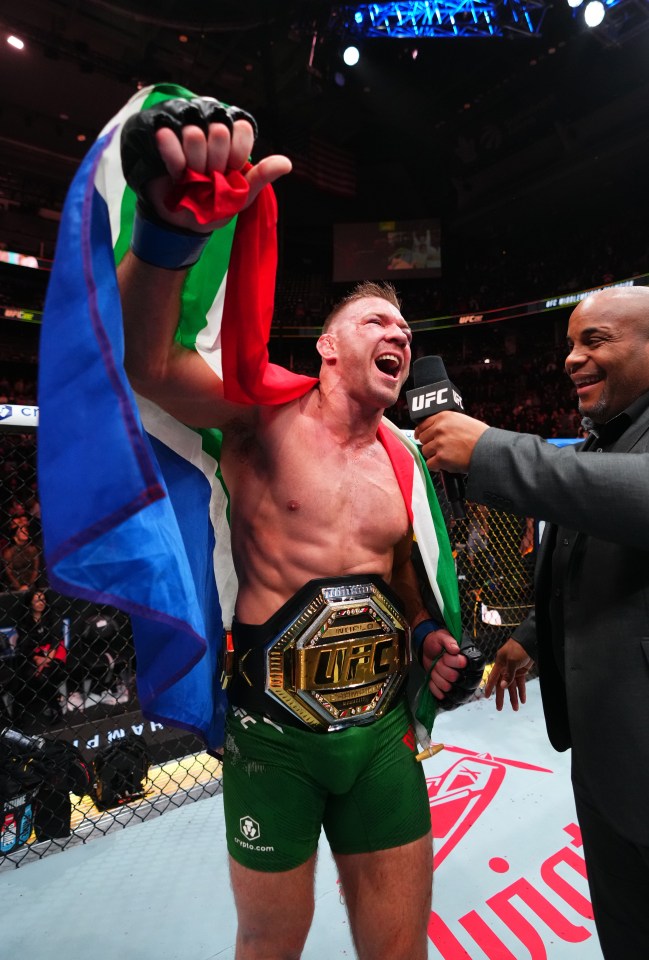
(460, 795)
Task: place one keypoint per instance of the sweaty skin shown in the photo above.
(305, 495)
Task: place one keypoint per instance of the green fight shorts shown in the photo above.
(282, 785)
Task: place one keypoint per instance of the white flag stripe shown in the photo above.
(186, 443)
(109, 179)
(208, 340)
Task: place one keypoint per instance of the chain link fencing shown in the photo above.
(494, 553)
(77, 758)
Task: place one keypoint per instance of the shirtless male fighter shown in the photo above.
(313, 498)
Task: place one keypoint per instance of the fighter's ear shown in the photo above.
(326, 346)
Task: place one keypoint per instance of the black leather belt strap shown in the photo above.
(250, 656)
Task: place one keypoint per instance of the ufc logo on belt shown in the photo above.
(352, 664)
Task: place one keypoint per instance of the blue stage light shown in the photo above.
(443, 18)
(421, 19)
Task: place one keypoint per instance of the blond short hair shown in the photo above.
(363, 291)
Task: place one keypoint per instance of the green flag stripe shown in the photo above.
(202, 285)
(446, 575)
(203, 281)
(165, 91)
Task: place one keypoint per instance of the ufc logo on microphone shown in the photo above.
(422, 399)
(427, 400)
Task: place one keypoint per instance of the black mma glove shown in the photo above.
(154, 240)
(470, 676)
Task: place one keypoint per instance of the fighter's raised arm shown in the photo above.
(187, 162)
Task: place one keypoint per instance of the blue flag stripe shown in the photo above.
(114, 531)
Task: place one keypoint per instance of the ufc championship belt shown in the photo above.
(338, 652)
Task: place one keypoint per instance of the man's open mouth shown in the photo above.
(390, 364)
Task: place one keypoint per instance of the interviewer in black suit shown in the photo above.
(590, 632)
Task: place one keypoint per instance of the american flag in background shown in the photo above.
(328, 167)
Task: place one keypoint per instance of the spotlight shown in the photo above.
(594, 13)
(351, 56)
(15, 42)
(575, 3)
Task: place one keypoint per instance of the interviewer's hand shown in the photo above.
(447, 669)
(509, 672)
(448, 440)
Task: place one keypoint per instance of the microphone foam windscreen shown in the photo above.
(427, 370)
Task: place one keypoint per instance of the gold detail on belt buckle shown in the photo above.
(242, 669)
(341, 660)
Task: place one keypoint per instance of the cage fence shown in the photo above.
(495, 554)
(77, 757)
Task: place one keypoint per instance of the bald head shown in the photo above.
(608, 339)
(626, 305)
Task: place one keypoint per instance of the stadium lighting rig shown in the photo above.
(482, 18)
(444, 18)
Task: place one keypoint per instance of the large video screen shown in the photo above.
(392, 249)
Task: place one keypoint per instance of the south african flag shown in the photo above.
(135, 512)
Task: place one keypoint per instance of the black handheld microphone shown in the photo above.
(433, 392)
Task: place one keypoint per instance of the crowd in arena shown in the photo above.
(480, 274)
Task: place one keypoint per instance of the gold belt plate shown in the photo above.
(342, 659)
